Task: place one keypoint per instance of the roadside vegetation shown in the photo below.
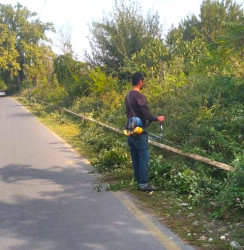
(194, 77)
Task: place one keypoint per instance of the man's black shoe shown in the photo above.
(148, 188)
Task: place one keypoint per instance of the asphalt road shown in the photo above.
(48, 200)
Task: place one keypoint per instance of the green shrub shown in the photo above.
(232, 195)
(197, 182)
(110, 159)
(3, 86)
(101, 83)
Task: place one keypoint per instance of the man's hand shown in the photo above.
(161, 118)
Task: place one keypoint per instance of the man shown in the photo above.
(136, 106)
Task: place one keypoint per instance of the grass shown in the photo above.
(194, 224)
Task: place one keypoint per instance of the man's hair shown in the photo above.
(136, 77)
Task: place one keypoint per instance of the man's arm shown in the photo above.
(142, 103)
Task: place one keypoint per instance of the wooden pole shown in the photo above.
(193, 156)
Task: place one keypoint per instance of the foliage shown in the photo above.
(117, 37)
(8, 51)
(51, 93)
(112, 159)
(197, 181)
(202, 41)
(72, 75)
(212, 21)
(100, 82)
(232, 195)
(23, 53)
(3, 86)
(214, 15)
(150, 60)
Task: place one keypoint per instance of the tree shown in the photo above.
(214, 16)
(72, 75)
(151, 60)
(200, 41)
(116, 38)
(233, 45)
(224, 35)
(24, 43)
(211, 23)
(9, 65)
(65, 41)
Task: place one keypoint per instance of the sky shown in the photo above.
(73, 16)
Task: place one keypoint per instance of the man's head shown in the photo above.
(136, 78)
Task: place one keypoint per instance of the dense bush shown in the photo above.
(232, 195)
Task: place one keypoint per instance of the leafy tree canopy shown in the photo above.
(22, 38)
(212, 21)
(117, 37)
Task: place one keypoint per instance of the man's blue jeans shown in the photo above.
(139, 150)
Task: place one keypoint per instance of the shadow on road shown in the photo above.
(22, 115)
(41, 209)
